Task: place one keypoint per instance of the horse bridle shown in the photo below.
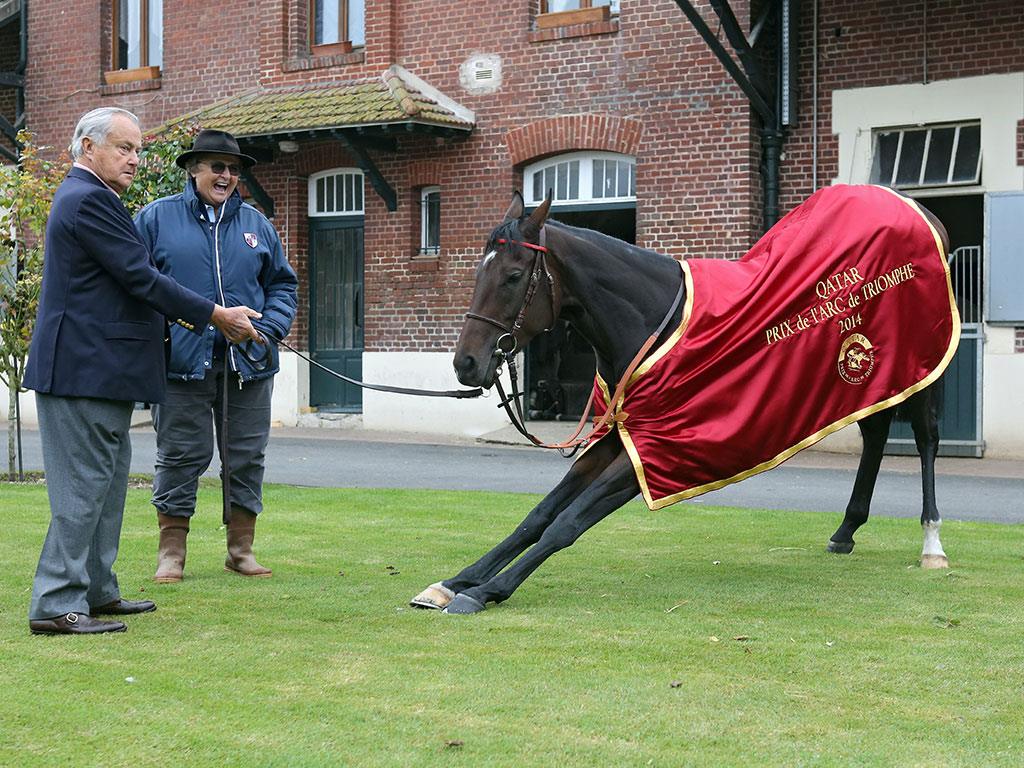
(574, 442)
(539, 270)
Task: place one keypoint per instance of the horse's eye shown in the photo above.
(514, 277)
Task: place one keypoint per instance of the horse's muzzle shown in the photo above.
(473, 371)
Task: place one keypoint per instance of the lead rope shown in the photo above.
(225, 471)
(456, 393)
(568, 447)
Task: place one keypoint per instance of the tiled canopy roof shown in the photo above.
(395, 98)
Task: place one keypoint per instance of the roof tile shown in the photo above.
(267, 111)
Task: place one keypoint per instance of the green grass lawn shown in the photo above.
(689, 636)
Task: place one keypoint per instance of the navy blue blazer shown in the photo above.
(101, 324)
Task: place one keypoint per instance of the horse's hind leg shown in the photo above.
(581, 474)
(873, 430)
(924, 418)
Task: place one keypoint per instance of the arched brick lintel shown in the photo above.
(568, 133)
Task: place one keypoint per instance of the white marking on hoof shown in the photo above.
(932, 554)
(435, 597)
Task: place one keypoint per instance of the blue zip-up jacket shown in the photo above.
(235, 260)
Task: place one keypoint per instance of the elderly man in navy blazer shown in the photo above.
(98, 346)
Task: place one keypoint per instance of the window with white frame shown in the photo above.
(582, 178)
(138, 34)
(938, 155)
(430, 221)
(338, 192)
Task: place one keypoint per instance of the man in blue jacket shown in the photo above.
(207, 239)
(98, 346)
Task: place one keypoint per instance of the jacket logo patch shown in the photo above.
(250, 239)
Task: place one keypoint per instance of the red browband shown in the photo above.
(540, 248)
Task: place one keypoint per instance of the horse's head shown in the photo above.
(515, 297)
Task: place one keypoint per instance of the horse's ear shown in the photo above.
(531, 227)
(515, 209)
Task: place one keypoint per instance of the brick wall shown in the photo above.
(876, 42)
(648, 73)
(9, 48)
(204, 59)
(683, 123)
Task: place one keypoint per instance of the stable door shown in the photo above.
(336, 312)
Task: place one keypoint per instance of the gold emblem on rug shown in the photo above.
(856, 359)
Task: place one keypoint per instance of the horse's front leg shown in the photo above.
(874, 431)
(613, 488)
(581, 474)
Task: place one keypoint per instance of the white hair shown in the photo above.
(96, 125)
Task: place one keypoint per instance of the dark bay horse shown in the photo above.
(615, 295)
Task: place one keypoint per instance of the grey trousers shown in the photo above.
(86, 455)
(185, 424)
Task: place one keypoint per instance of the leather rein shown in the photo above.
(507, 356)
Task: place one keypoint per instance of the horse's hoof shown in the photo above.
(464, 604)
(934, 561)
(840, 547)
(434, 598)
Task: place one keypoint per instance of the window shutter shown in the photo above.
(1004, 240)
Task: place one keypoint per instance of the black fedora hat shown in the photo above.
(210, 142)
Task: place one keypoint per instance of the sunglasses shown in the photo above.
(218, 167)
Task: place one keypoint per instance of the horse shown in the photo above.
(535, 270)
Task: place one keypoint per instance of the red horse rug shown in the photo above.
(842, 309)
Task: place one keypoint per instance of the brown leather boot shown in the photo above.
(170, 559)
(241, 531)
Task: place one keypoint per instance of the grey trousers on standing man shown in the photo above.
(86, 455)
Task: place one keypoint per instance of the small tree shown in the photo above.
(157, 175)
(26, 193)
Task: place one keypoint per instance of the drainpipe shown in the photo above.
(22, 68)
(771, 147)
(814, 104)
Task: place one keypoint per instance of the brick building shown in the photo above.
(391, 134)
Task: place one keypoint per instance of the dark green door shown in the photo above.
(336, 312)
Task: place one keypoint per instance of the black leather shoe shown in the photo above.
(121, 607)
(74, 624)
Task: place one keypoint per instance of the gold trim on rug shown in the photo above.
(644, 367)
(672, 340)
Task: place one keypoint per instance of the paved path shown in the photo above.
(968, 489)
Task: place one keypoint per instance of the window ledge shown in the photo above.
(132, 86)
(331, 49)
(587, 29)
(119, 76)
(573, 17)
(302, 63)
(425, 262)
